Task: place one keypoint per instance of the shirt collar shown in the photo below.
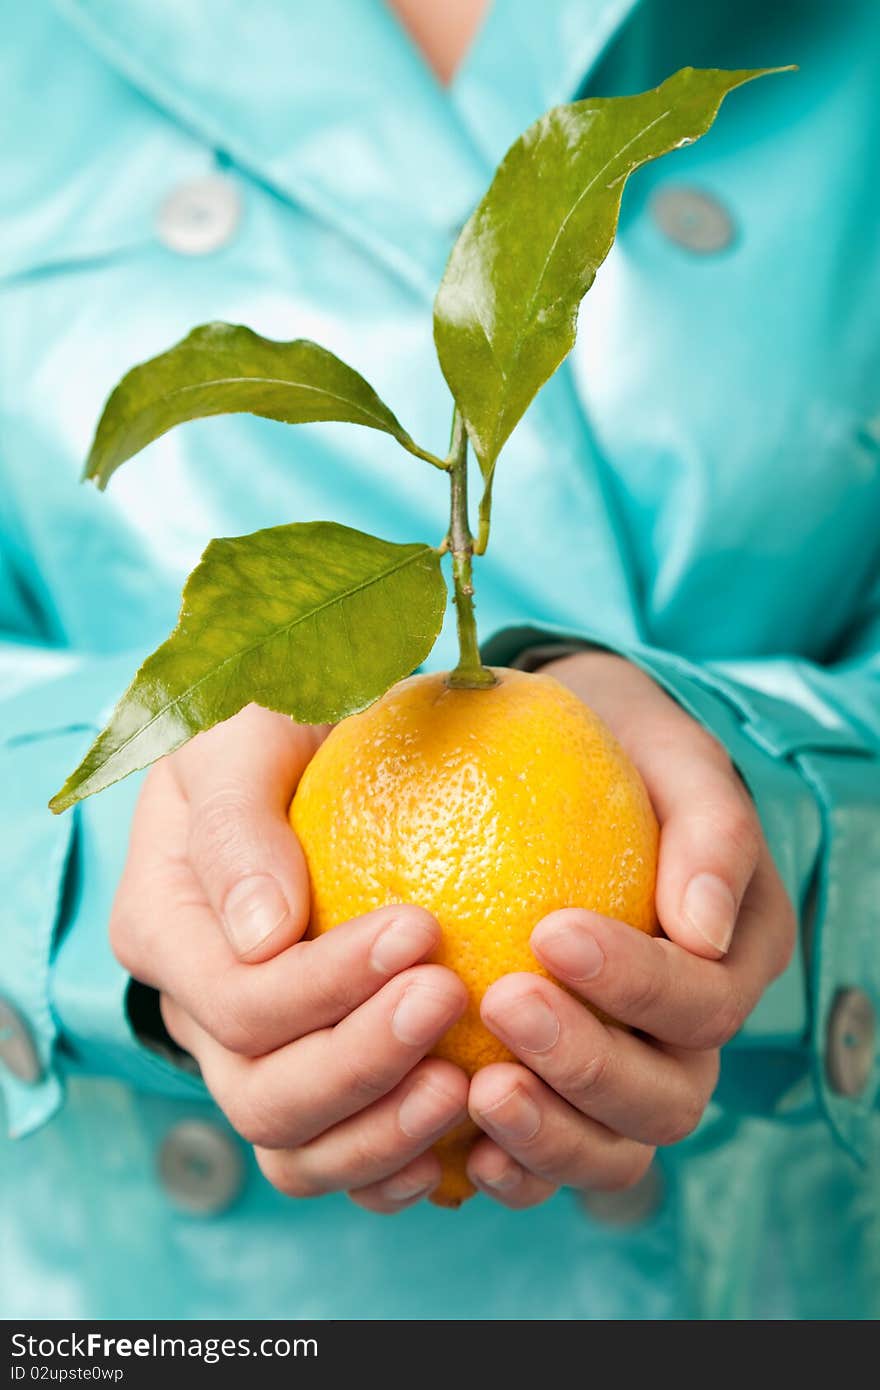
(332, 105)
(528, 57)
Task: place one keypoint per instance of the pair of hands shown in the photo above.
(316, 1049)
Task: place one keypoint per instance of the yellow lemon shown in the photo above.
(489, 808)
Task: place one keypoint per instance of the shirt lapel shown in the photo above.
(328, 104)
(332, 106)
(528, 57)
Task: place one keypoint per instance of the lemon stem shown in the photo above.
(470, 673)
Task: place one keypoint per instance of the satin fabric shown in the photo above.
(697, 488)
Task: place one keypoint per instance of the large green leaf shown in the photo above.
(314, 620)
(505, 315)
(223, 369)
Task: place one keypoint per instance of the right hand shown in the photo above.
(314, 1049)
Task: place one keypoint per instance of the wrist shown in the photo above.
(577, 670)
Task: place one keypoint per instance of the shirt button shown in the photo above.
(200, 216)
(18, 1052)
(631, 1206)
(693, 219)
(851, 1040)
(200, 1168)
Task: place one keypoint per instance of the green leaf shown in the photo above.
(314, 620)
(223, 369)
(505, 315)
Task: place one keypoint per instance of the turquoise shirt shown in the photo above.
(697, 488)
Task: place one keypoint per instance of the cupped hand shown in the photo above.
(592, 1101)
(314, 1049)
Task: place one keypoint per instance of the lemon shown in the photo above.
(489, 808)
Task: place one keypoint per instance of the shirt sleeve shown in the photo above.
(806, 740)
(59, 981)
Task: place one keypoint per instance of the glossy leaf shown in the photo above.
(314, 620)
(223, 369)
(505, 315)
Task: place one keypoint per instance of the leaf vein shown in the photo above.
(283, 629)
(277, 381)
(617, 155)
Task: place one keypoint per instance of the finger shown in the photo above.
(500, 1177)
(547, 1137)
(165, 934)
(285, 1099)
(710, 833)
(657, 986)
(643, 1092)
(709, 845)
(415, 1181)
(238, 779)
(373, 1146)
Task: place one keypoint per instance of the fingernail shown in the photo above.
(421, 1014)
(528, 1024)
(504, 1181)
(515, 1117)
(253, 909)
(710, 908)
(404, 1189)
(424, 1111)
(570, 949)
(402, 943)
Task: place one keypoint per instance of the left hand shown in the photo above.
(592, 1100)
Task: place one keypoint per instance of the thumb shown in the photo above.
(238, 779)
(709, 847)
(710, 834)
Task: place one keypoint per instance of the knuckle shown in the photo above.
(584, 1080)
(628, 1171)
(743, 829)
(559, 1162)
(369, 1157)
(729, 1016)
(254, 1118)
(292, 1183)
(682, 1119)
(366, 1080)
(642, 990)
(215, 836)
(737, 825)
(325, 983)
(236, 1021)
(288, 1175)
(732, 1015)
